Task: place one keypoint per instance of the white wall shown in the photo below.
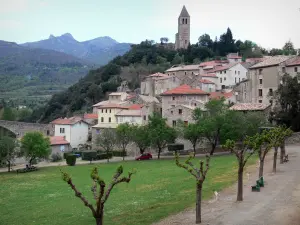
(67, 133)
(130, 119)
(79, 134)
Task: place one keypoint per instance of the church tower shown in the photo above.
(183, 36)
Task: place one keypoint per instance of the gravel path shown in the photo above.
(278, 203)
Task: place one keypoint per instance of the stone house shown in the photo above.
(207, 85)
(115, 98)
(252, 107)
(242, 91)
(184, 96)
(183, 70)
(130, 116)
(265, 77)
(234, 58)
(229, 97)
(74, 129)
(204, 67)
(59, 145)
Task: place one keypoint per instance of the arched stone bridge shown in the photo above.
(20, 128)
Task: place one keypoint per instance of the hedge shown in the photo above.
(119, 153)
(175, 147)
(71, 160)
(103, 155)
(89, 156)
(67, 153)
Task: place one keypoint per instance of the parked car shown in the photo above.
(144, 156)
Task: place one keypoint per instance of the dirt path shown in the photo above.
(278, 203)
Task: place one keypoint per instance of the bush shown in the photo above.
(71, 160)
(104, 155)
(89, 156)
(118, 153)
(56, 157)
(175, 147)
(77, 152)
(67, 153)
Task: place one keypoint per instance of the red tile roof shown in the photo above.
(255, 59)
(135, 107)
(67, 121)
(185, 90)
(234, 57)
(208, 75)
(249, 107)
(218, 95)
(220, 68)
(57, 140)
(112, 105)
(90, 116)
(204, 81)
(296, 62)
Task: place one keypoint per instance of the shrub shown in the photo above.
(119, 153)
(104, 155)
(71, 160)
(67, 153)
(175, 147)
(89, 156)
(56, 157)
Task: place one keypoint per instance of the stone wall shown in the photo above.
(20, 128)
(294, 139)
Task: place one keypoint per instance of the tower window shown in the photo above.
(182, 21)
(185, 21)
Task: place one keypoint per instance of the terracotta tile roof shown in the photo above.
(135, 107)
(255, 59)
(112, 105)
(249, 107)
(158, 75)
(67, 121)
(210, 63)
(218, 95)
(183, 67)
(272, 61)
(130, 113)
(57, 140)
(295, 62)
(185, 90)
(101, 103)
(204, 81)
(208, 75)
(90, 116)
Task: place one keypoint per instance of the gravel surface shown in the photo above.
(278, 203)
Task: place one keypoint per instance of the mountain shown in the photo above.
(27, 72)
(98, 51)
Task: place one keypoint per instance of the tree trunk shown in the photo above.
(213, 147)
(30, 161)
(124, 154)
(8, 163)
(275, 159)
(194, 147)
(282, 152)
(99, 218)
(159, 150)
(261, 168)
(240, 184)
(107, 155)
(198, 203)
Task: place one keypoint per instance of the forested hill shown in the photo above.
(145, 58)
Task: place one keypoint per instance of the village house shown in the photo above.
(130, 116)
(183, 70)
(230, 97)
(265, 77)
(242, 91)
(253, 107)
(119, 98)
(234, 58)
(207, 85)
(59, 145)
(179, 103)
(74, 130)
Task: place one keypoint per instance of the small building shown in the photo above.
(91, 118)
(251, 107)
(59, 145)
(234, 58)
(130, 116)
(74, 129)
(183, 70)
(207, 85)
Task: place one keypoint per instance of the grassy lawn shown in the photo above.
(158, 189)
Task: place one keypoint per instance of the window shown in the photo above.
(235, 79)
(174, 123)
(260, 92)
(225, 71)
(97, 131)
(102, 110)
(220, 72)
(62, 130)
(173, 98)
(173, 106)
(179, 111)
(296, 69)
(185, 21)
(260, 101)
(110, 111)
(260, 81)
(283, 69)
(182, 21)
(184, 73)
(239, 79)
(271, 92)
(195, 104)
(186, 123)
(260, 71)
(109, 119)
(192, 73)
(220, 80)
(238, 72)
(62, 148)
(102, 119)
(172, 112)
(224, 78)
(145, 118)
(121, 119)
(105, 110)
(48, 132)
(235, 72)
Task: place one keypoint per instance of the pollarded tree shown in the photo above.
(194, 133)
(200, 175)
(265, 146)
(242, 153)
(8, 150)
(106, 140)
(160, 133)
(100, 193)
(124, 136)
(141, 137)
(34, 145)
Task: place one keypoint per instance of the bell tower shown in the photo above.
(184, 24)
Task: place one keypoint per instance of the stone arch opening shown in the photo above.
(6, 132)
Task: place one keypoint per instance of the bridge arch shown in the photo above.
(6, 132)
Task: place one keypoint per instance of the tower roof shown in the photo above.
(184, 12)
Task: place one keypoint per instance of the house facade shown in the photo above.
(242, 91)
(183, 70)
(59, 145)
(234, 58)
(130, 116)
(75, 130)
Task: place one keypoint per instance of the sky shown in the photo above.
(269, 23)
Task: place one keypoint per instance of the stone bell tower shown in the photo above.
(184, 24)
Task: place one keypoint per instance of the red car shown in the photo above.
(144, 156)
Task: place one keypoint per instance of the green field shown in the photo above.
(158, 189)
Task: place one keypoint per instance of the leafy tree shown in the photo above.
(288, 48)
(8, 150)
(193, 133)
(200, 175)
(160, 133)
(141, 137)
(177, 59)
(242, 153)
(99, 189)
(265, 146)
(124, 136)
(164, 40)
(34, 145)
(106, 140)
(8, 114)
(24, 114)
(205, 41)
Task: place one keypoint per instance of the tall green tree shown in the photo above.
(35, 146)
(288, 48)
(8, 150)
(124, 136)
(193, 132)
(106, 140)
(160, 133)
(141, 137)
(205, 41)
(8, 114)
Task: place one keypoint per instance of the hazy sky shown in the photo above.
(269, 23)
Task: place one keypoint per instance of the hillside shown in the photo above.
(98, 51)
(38, 73)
